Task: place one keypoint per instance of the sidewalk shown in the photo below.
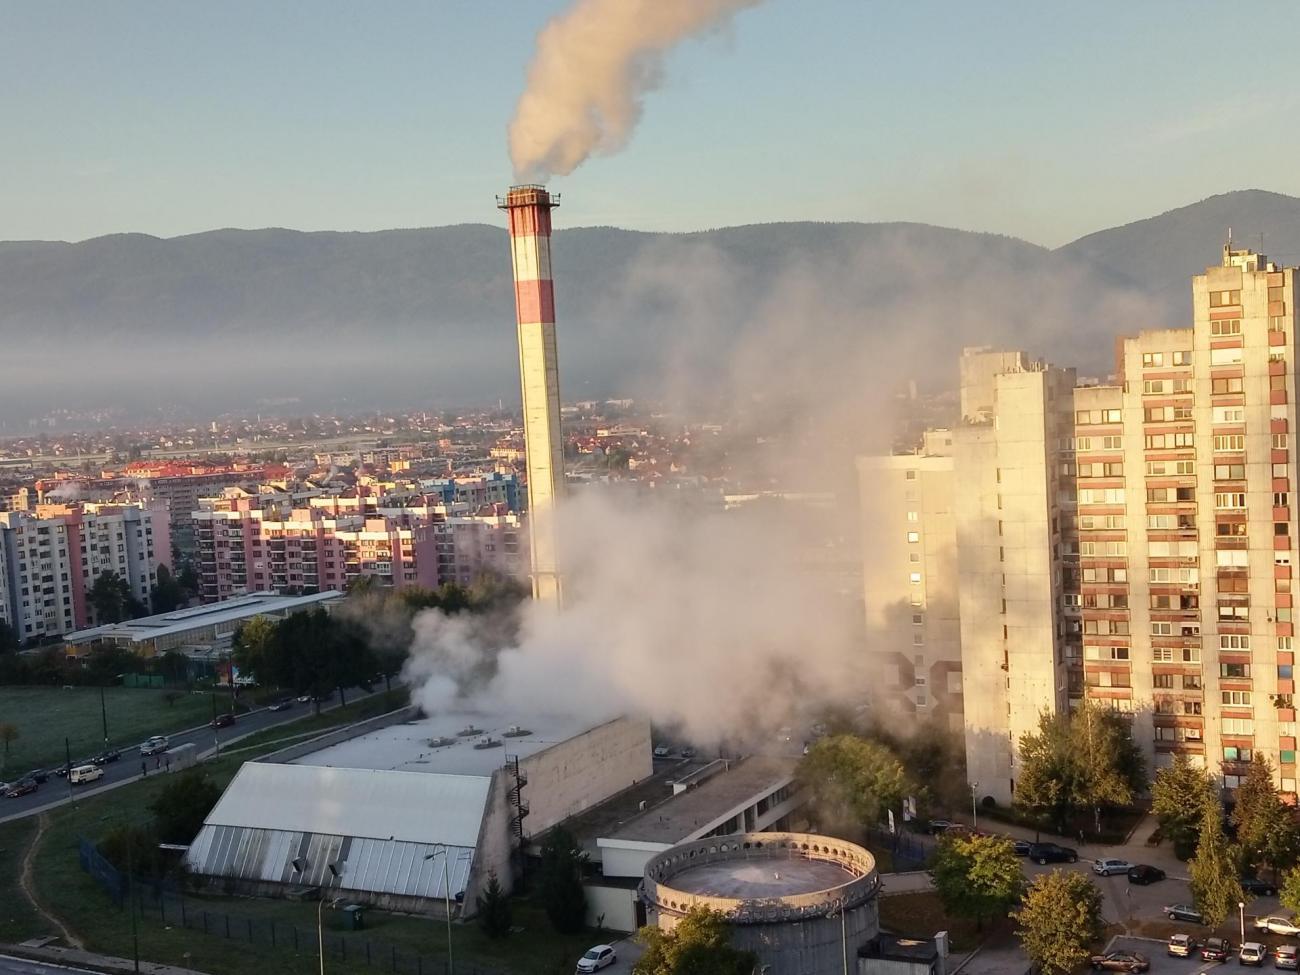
(89, 960)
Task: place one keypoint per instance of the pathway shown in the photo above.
(29, 891)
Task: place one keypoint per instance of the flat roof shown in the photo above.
(760, 876)
(439, 743)
(196, 617)
(716, 798)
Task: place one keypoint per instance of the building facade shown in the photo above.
(50, 558)
(1132, 543)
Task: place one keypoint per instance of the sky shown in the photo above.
(1044, 121)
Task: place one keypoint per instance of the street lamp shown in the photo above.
(1241, 912)
(974, 817)
(299, 865)
(441, 848)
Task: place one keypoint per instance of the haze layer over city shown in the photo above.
(666, 486)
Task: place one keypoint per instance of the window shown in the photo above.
(1153, 386)
(913, 516)
(1281, 499)
(1162, 629)
(1112, 442)
(1165, 681)
(1232, 499)
(1220, 298)
(1286, 756)
(1284, 642)
(1236, 699)
(1229, 441)
(1231, 384)
(1229, 414)
(1229, 472)
(1169, 441)
(915, 577)
(1234, 641)
(913, 537)
(1235, 671)
(1226, 357)
(1279, 441)
(1180, 358)
(1238, 726)
(1153, 358)
(910, 475)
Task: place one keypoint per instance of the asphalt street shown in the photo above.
(127, 768)
(20, 966)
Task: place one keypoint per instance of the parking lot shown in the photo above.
(1163, 964)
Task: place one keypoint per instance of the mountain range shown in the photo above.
(238, 317)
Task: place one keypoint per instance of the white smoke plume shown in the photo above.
(594, 64)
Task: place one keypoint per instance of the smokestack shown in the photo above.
(528, 209)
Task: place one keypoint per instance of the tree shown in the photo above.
(251, 645)
(1058, 920)
(112, 600)
(1215, 885)
(1178, 797)
(8, 638)
(1266, 829)
(851, 780)
(700, 944)
(168, 594)
(8, 734)
(977, 877)
(182, 805)
(559, 879)
(493, 909)
(1289, 893)
(1084, 760)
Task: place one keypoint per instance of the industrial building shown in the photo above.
(365, 812)
(1131, 543)
(804, 904)
(203, 631)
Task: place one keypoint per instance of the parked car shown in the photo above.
(1258, 888)
(688, 753)
(82, 774)
(106, 756)
(1021, 847)
(1182, 945)
(62, 770)
(40, 775)
(1143, 874)
(1216, 949)
(223, 720)
(1276, 924)
(601, 956)
(662, 751)
(1105, 867)
(1052, 853)
(23, 787)
(284, 704)
(1252, 953)
(154, 746)
(937, 826)
(1183, 912)
(1284, 956)
(1120, 961)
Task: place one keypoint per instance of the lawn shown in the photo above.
(44, 716)
(78, 900)
(921, 915)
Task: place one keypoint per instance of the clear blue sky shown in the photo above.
(1043, 120)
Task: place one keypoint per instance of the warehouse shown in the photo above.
(416, 810)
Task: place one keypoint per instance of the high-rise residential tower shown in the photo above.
(528, 209)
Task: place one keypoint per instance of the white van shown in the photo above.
(85, 773)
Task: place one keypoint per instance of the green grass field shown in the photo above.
(45, 715)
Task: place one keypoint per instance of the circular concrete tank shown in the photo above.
(803, 903)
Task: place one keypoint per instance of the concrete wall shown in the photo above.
(618, 904)
(494, 852)
(574, 775)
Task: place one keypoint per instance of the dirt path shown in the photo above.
(29, 890)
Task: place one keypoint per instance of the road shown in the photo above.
(20, 966)
(127, 769)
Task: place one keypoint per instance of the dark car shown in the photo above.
(1257, 888)
(224, 720)
(63, 770)
(1120, 961)
(1021, 847)
(284, 704)
(1216, 949)
(1052, 853)
(1183, 912)
(40, 776)
(23, 787)
(1143, 874)
(106, 756)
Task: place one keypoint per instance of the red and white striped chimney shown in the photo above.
(528, 209)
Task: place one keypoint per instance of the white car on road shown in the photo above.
(597, 958)
(1108, 867)
(154, 746)
(1276, 924)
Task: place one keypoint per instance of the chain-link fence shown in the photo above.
(164, 903)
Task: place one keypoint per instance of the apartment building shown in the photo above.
(50, 557)
(1133, 543)
(279, 543)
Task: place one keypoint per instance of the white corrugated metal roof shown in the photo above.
(405, 806)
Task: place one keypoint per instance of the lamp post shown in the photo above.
(1241, 913)
(441, 848)
(974, 817)
(299, 865)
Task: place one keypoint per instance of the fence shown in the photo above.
(910, 851)
(165, 903)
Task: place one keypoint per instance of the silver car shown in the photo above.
(1107, 867)
(1284, 956)
(1276, 924)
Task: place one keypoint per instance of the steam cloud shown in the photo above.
(593, 65)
